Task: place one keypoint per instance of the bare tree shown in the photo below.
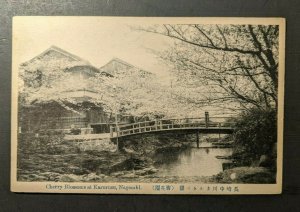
(232, 64)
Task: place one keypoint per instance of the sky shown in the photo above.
(96, 40)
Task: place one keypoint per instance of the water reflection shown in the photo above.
(192, 161)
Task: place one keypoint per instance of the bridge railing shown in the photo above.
(169, 124)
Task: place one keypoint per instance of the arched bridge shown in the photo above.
(207, 125)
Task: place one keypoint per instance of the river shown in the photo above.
(192, 161)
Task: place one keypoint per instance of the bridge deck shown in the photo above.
(190, 124)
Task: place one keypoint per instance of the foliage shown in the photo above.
(256, 134)
(41, 143)
(139, 95)
(235, 66)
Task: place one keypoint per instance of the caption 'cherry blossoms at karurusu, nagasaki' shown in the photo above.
(212, 121)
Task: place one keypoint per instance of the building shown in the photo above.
(68, 100)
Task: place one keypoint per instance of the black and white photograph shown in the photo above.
(147, 105)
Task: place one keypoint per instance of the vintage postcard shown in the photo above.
(147, 105)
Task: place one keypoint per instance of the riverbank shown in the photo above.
(53, 158)
(255, 175)
(242, 168)
(140, 159)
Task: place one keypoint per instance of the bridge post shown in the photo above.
(156, 127)
(197, 138)
(206, 119)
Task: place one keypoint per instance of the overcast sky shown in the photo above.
(94, 39)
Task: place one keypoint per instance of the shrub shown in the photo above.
(255, 135)
(75, 131)
(39, 143)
